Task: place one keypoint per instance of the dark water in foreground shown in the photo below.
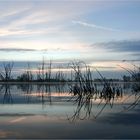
(49, 111)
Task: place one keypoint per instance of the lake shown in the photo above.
(52, 111)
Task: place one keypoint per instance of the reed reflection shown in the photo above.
(135, 87)
(5, 94)
(85, 93)
(7, 98)
(108, 96)
(41, 92)
(135, 93)
(97, 97)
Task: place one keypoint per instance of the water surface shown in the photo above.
(50, 111)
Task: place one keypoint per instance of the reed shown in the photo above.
(135, 78)
(85, 91)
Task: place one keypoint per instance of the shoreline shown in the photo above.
(55, 83)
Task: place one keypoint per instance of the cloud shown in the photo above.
(16, 50)
(137, 54)
(94, 26)
(130, 46)
(35, 18)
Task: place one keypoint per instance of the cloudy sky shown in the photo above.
(89, 30)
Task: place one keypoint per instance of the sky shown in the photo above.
(63, 30)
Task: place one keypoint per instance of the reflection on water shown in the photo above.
(136, 93)
(28, 93)
(100, 95)
(7, 98)
(108, 94)
(59, 102)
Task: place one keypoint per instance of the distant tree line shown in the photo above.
(42, 74)
(46, 74)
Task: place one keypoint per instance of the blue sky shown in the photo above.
(63, 30)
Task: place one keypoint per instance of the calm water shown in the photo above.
(50, 111)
